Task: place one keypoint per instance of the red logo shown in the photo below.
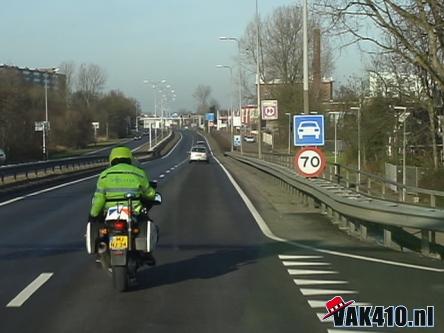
(334, 305)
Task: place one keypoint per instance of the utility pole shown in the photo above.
(305, 57)
(258, 74)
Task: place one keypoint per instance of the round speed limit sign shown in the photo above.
(310, 162)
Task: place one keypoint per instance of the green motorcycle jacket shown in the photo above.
(115, 182)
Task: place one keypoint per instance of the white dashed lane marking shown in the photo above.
(304, 282)
(321, 304)
(302, 263)
(333, 292)
(26, 293)
(309, 272)
(288, 257)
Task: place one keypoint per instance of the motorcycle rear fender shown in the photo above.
(118, 257)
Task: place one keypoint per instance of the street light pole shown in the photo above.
(358, 108)
(403, 119)
(289, 132)
(259, 130)
(231, 103)
(45, 125)
(336, 118)
(240, 82)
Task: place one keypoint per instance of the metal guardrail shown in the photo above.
(367, 184)
(380, 187)
(351, 210)
(26, 170)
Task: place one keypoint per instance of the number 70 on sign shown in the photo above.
(310, 162)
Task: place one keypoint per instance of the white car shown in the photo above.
(199, 153)
(249, 138)
(308, 128)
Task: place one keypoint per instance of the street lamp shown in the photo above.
(358, 108)
(403, 119)
(231, 102)
(289, 132)
(336, 117)
(240, 79)
(47, 71)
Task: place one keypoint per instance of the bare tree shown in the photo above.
(409, 30)
(202, 95)
(281, 45)
(90, 81)
(68, 69)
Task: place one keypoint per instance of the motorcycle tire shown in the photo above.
(120, 278)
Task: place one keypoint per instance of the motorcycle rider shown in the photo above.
(115, 182)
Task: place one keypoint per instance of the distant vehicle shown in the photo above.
(200, 143)
(199, 153)
(308, 128)
(138, 137)
(249, 138)
(2, 157)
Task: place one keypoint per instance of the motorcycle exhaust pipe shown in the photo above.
(102, 247)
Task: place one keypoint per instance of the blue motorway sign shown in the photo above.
(210, 117)
(308, 130)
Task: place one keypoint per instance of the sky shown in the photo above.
(137, 40)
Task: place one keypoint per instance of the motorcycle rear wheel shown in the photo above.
(120, 278)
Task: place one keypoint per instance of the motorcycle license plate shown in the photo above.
(118, 243)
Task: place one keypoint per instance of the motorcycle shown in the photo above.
(125, 240)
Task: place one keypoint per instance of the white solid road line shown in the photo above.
(309, 272)
(313, 292)
(289, 257)
(268, 233)
(171, 151)
(305, 263)
(306, 282)
(23, 296)
(321, 304)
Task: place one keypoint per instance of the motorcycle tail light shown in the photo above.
(120, 225)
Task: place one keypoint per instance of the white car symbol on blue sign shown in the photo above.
(308, 130)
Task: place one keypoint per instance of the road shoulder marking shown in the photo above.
(26, 293)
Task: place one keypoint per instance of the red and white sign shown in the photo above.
(269, 109)
(310, 162)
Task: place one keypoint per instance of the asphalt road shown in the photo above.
(216, 271)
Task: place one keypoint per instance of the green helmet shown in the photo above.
(123, 153)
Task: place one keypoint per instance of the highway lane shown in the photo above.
(216, 270)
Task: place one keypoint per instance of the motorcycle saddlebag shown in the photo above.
(91, 237)
(147, 239)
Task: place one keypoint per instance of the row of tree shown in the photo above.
(72, 109)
